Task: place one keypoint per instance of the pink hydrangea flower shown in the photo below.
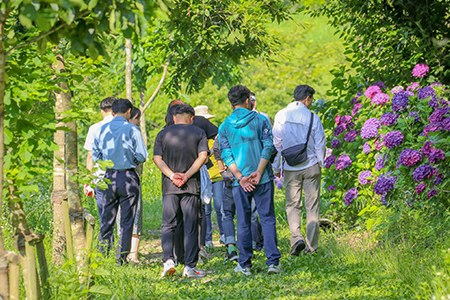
(372, 91)
(420, 70)
(366, 148)
(420, 187)
(343, 162)
(397, 89)
(380, 99)
(413, 87)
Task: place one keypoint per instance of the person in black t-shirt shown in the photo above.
(179, 152)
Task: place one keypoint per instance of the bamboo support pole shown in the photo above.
(33, 291)
(67, 227)
(43, 269)
(14, 276)
(90, 224)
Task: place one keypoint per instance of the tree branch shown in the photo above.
(40, 37)
(166, 66)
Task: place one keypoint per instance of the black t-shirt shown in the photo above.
(210, 129)
(179, 146)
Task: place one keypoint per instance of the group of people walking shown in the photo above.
(234, 162)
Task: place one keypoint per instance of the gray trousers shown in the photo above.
(308, 180)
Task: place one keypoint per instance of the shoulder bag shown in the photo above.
(297, 154)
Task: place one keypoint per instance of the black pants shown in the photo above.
(177, 208)
(123, 191)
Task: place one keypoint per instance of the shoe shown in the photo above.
(200, 260)
(274, 269)
(209, 244)
(169, 268)
(193, 273)
(222, 239)
(232, 256)
(245, 271)
(203, 253)
(297, 248)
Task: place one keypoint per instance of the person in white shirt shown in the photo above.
(106, 111)
(291, 128)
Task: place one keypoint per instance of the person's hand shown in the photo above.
(222, 169)
(179, 179)
(255, 177)
(88, 190)
(246, 185)
(277, 174)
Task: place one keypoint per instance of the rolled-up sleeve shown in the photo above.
(141, 153)
(225, 149)
(267, 140)
(320, 143)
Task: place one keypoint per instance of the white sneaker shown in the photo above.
(274, 269)
(169, 268)
(203, 253)
(193, 272)
(245, 271)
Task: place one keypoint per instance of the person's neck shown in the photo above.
(240, 106)
(121, 115)
(183, 122)
(108, 114)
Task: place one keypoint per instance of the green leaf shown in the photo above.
(101, 272)
(112, 20)
(370, 223)
(100, 289)
(25, 21)
(92, 4)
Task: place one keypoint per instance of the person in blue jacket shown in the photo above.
(245, 141)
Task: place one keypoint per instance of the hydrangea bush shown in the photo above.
(388, 146)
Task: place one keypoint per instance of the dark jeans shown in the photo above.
(229, 211)
(263, 195)
(184, 207)
(217, 188)
(124, 191)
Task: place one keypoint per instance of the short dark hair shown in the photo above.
(135, 113)
(238, 94)
(303, 91)
(120, 106)
(106, 104)
(170, 113)
(184, 109)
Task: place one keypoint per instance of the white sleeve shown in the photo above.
(277, 133)
(89, 143)
(320, 142)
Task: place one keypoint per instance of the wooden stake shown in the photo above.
(67, 227)
(14, 276)
(43, 269)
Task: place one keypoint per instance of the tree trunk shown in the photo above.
(71, 170)
(59, 183)
(141, 107)
(128, 65)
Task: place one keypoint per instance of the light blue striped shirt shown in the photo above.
(121, 142)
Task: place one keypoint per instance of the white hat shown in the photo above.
(203, 111)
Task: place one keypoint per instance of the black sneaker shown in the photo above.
(297, 248)
(232, 256)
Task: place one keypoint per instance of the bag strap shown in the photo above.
(309, 129)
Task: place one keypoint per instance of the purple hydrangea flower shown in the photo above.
(379, 142)
(350, 195)
(373, 122)
(381, 162)
(350, 136)
(427, 148)
(331, 188)
(422, 172)
(328, 151)
(425, 92)
(335, 143)
(431, 193)
(409, 157)
(393, 138)
(437, 84)
(400, 101)
(436, 103)
(368, 132)
(355, 100)
(384, 184)
(380, 84)
(435, 156)
(338, 130)
(436, 126)
(329, 161)
(372, 91)
(446, 124)
(343, 162)
(380, 99)
(363, 177)
(413, 87)
(415, 115)
(346, 119)
(388, 119)
(438, 115)
(437, 180)
(420, 70)
(397, 89)
(280, 185)
(356, 108)
(420, 187)
(366, 148)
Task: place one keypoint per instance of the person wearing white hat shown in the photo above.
(217, 186)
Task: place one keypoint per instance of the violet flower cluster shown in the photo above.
(335, 144)
(431, 193)
(415, 115)
(435, 156)
(331, 188)
(436, 126)
(422, 172)
(363, 177)
(425, 92)
(380, 84)
(397, 89)
(409, 157)
(366, 148)
(350, 136)
(329, 161)
(427, 148)
(356, 108)
(400, 101)
(350, 195)
(420, 187)
(392, 139)
(384, 184)
(372, 91)
(381, 160)
(343, 162)
(438, 114)
(420, 70)
(388, 119)
(338, 130)
(380, 99)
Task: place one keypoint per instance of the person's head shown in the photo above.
(175, 102)
(170, 113)
(239, 96)
(203, 111)
(106, 105)
(305, 94)
(122, 108)
(253, 100)
(184, 114)
(135, 116)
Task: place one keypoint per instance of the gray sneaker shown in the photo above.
(274, 269)
(193, 273)
(245, 271)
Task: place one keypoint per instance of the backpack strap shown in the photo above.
(309, 129)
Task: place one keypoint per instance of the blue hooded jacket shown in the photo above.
(244, 138)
